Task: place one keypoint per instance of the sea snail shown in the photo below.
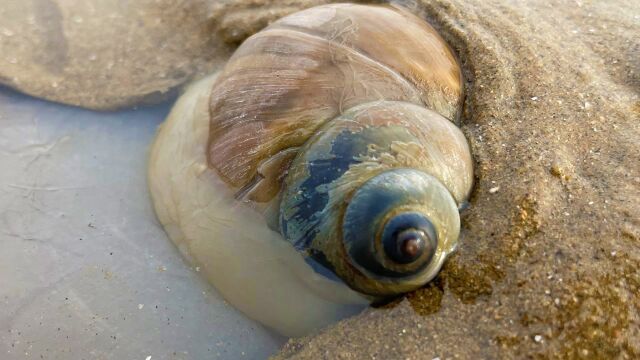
(321, 168)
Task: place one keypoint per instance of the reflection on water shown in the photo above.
(85, 270)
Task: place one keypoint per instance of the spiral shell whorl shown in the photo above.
(321, 102)
(286, 81)
(362, 144)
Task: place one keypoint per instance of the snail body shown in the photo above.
(321, 169)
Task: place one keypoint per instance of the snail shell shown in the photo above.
(320, 167)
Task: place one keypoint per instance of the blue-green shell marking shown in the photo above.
(372, 196)
(327, 158)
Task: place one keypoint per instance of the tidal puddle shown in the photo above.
(86, 271)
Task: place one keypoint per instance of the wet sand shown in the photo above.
(106, 55)
(550, 254)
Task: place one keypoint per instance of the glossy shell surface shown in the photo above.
(284, 176)
(286, 81)
(359, 145)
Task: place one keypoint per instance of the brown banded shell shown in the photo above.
(286, 81)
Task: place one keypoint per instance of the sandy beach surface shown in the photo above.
(549, 260)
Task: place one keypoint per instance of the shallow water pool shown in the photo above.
(85, 269)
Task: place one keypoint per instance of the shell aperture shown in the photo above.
(326, 151)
